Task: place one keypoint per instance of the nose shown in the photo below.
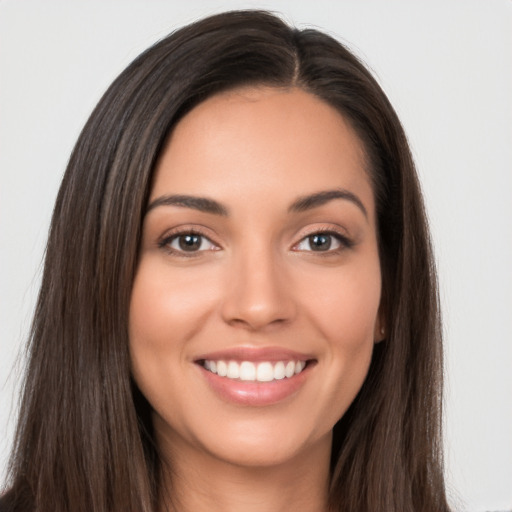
(259, 294)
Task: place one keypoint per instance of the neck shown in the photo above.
(201, 483)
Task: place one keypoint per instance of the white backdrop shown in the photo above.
(446, 67)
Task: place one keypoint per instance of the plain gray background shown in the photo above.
(446, 67)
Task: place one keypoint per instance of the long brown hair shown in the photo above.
(84, 439)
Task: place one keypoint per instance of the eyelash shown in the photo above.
(343, 240)
(165, 243)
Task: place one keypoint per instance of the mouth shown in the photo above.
(249, 371)
(255, 377)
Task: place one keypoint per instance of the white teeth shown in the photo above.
(259, 372)
(265, 372)
(222, 368)
(279, 370)
(233, 370)
(290, 369)
(247, 371)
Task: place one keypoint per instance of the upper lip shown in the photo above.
(254, 354)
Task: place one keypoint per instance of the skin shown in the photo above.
(256, 281)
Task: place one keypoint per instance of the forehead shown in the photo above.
(273, 143)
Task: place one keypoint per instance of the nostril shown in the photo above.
(257, 298)
(256, 321)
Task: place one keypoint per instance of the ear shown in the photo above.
(380, 331)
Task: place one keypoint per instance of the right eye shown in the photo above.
(188, 242)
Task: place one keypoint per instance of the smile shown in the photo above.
(263, 371)
(255, 377)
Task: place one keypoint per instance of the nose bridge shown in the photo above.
(258, 293)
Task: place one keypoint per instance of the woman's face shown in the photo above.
(255, 306)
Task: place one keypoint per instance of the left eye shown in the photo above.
(320, 242)
(189, 242)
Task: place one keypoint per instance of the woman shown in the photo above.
(239, 307)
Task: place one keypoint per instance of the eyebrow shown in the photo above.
(320, 198)
(203, 204)
(301, 204)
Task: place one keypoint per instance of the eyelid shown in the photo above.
(169, 236)
(345, 241)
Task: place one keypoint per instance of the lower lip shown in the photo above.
(255, 393)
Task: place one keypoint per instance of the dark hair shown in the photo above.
(84, 440)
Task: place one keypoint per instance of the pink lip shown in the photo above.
(255, 354)
(255, 394)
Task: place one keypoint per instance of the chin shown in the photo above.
(265, 447)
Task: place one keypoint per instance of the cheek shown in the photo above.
(166, 310)
(344, 305)
(343, 309)
(168, 306)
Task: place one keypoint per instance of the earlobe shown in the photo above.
(380, 327)
(380, 333)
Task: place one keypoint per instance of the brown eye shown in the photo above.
(323, 241)
(320, 242)
(189, 242)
